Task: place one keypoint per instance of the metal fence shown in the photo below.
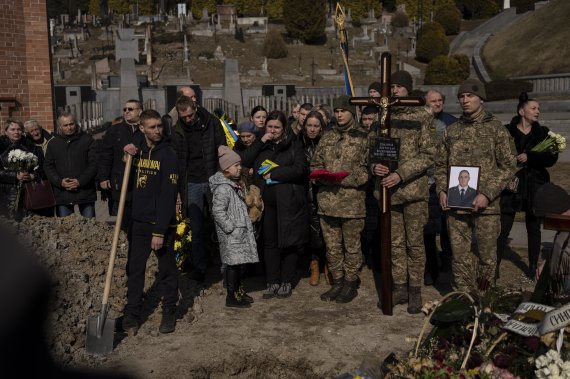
(232, 110)
(88, 114)
(286, 104)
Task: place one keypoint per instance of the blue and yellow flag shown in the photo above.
(231, 136)
(340, 18)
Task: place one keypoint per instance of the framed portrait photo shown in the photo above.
(463, 184)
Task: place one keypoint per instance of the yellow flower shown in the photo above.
(177, 245)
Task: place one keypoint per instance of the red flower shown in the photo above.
(532, 343)
(502, 361)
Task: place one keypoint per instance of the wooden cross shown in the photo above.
(386, 151)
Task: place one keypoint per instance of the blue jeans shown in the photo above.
(87, 210)
(198, 195)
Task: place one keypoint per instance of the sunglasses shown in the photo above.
(127, 109)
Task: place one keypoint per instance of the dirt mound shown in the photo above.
(75, 251)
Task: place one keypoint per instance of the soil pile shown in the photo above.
(75, 251)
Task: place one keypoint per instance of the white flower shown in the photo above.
(541, 361)
(554, 369)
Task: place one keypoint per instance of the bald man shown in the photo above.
(182, 91)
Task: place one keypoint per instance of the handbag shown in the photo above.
(38, 195)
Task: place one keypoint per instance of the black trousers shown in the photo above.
(139, 252)
(280, 263)
(533, 233)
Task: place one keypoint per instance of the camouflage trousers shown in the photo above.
(342, 238)
(473, 263)
(408, 250)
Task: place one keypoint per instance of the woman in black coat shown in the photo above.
(285, 219)
(527, 133)
(11, 190)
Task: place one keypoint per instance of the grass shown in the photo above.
(537, 44)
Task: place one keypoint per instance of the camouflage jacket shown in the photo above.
(343, 151)
(417, 148)
(480, 141)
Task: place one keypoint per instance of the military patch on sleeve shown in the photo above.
(174, 178)
(406, 124)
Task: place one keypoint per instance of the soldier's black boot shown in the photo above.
(233, 298)
(168, 320)
(334, 291)
(400, 294)
(415, 302)
(348, 292)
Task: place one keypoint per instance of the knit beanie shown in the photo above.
(404, 79)
(376, 86)
(247, 126)
(342, 102)
(552, 199)
(227, 157)
(473, 86)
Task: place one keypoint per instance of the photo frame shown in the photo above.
(463, 186)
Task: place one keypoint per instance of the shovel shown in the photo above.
(100, 329)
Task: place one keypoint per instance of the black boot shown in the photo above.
(400, 294)
(233, 297)
(415, 302)
(168, 321)
(130, 323)
(348, 292)
(245, 297)
(334, 291)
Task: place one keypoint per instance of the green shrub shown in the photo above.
(477, 9)
(445, 70)
(431, 44)
(274, 46)
(506, 89)
(400, 19)
(305, 20)
(431, 27)
(450, 19)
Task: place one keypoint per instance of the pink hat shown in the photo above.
(227, 157)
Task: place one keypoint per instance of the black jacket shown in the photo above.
(111, 165)
(533, 173)
(213, 136)
(72, 157)
(292, 173)
(155, 185)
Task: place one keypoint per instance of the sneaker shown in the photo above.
(271, 291)
(168, 321)
(284, 291)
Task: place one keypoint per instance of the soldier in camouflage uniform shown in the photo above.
(476, 139)
(341, 203)
(409, 189)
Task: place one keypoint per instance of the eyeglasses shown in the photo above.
(69, 124)
(128, 109)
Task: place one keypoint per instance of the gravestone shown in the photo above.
(506, 4)
(219, 54)
(205, 16)
(126, 51)
(232, 88)
(185, 49)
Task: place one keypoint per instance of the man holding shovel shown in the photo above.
(155, 186)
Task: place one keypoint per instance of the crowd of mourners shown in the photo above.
(298, 190)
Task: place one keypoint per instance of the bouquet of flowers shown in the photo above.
(182, 240)
(19, 160)
(551, 365)
(554, 143)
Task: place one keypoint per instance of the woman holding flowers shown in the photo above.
(537, 149)
(19, 162)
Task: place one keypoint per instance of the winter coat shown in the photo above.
(411, 125)
(111, 165)
(292, 173)
(479, 140)
(234, 228)
(8, 180)
(212, 137)
(155, 186)
(46, 137)
(343, 150)
(531, 174)
(72, 157)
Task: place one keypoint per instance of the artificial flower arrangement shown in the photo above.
(182, 240)
(490, 335)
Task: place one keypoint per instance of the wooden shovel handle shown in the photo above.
(118, 223)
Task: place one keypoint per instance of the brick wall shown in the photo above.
(25, 74)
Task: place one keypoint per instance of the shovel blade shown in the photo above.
(103, 344)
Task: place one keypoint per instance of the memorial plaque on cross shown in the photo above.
(386, 150)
